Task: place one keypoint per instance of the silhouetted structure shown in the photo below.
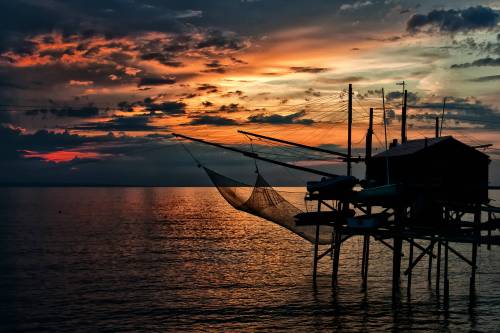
(430, 190)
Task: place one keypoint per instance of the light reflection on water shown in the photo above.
(182, 259)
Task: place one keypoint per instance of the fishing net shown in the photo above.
(263, 201)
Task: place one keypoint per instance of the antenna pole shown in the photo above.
(349, 131)
(442, 117)
(368, 153)
(403, 118)
(385, 121)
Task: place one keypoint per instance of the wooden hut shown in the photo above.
(439, 169)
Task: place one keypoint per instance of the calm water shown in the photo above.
(179, 259)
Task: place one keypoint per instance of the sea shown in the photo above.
(118, 259)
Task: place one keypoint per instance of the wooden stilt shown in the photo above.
(316, 246)
(438, 268)
(367, 260)
(410, 261)
(489, 232)
(336, 257)
(396, 255)
(477, 222)
(429, 269)
(446, 286)
(396, 267)
(363, 258)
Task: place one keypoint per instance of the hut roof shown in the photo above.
(414, 146)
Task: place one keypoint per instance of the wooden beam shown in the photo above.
(256, 156)
(420, 256)
(321, 150)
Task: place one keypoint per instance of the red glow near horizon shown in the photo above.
(61, 156)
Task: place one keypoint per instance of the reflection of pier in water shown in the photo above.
(431, 193)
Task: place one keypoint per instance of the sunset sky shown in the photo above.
(91, 90)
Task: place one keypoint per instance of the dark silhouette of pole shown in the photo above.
(349, 131)
(442, 117)
(437, 127)
(410, 260)
(385, 120)
(316, 245)
(403, 118)
(369, 135)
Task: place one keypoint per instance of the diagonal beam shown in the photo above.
(256, 156)
(322, 150)
(420, 256)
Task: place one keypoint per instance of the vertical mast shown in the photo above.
(403, 118)
(442, 116)
(437, 127)
(368, 152)
(384, 115)
(349, 130)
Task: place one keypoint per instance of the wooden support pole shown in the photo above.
(437, 127)
(429, 269)
(316, 246)
(336, 256)
(438, 268)
(396, 268)
(363, 258)
(349, 130)
(410, 262)
(446, 286)
(396, 256)
(367, 260)
(403, 118)
(489, 232)
(477, 225)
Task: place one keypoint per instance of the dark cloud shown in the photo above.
(479, 63)
(129, 123)
(486, 78)
(237, 93)
(453, 20)
(460, 110)
(212, 120)
(294, 118)
(207, 104)
(215, 67)
(83, 112)
(398, 95)
(152, 105)
(162, 58)
(156, 81)
(13, 141)
(172, 108)
(341, 80)
(308, 69)
(208, 88)
(233, 107)
(222, 40)
(312, 92)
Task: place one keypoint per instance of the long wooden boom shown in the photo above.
(322, 150)
(256, 156)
